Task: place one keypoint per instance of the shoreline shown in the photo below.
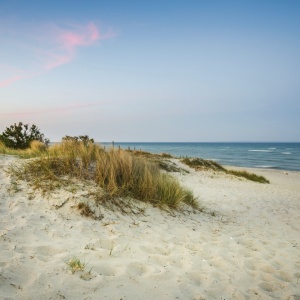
(274, 155)
(245, 245)
(229, 149)
(257, 170)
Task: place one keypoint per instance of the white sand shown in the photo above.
(249, 250)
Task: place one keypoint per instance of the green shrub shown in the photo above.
(81, 138)
(19, 136)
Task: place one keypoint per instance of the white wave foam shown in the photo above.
(260, 150)
(264, 167)
(286, 153)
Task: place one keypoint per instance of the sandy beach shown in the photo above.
(246, 245)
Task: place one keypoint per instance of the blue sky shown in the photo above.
(152, 70)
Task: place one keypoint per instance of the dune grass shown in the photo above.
(161, 159)
(75, 265)
(117, 172)
(36, 149)
(147, 154)
(198, 163)
(249, 176)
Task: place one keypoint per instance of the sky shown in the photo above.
(152, 71)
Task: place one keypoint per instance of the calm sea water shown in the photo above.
(284, 156)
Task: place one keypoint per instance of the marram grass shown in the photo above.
(249, 176)
(198, 163)
(117, 172)
(36, 149)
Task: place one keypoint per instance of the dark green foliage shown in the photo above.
(199, 163)
(81, 138)
(19, 136)
(166, 155)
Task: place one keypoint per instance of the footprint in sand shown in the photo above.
(160, 260)
(266, 268)
(108, 269)
(267, 287)
(48, 250)
(250, 244)
(266, 256)
(197, 278)
(155, 250)
(283, 276)
(266, 277)
(277, 264)
(219, 263)
(195, 247)
(142, 269)
(251, 264)
(106, 244)
(297, 276)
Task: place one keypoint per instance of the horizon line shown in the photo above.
(191, 142)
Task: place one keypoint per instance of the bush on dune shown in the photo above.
(19, 136)
(117, 172)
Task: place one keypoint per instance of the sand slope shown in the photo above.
(249, 250)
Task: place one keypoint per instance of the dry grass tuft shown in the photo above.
(117, 172)
(202, 164)
(75, 265)
(37, 146)
(36, 149)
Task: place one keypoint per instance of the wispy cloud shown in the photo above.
(41, 111)
(53, 46)
(67, 41)
(10, 80)
(10, 74)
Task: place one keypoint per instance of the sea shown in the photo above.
(282, 156)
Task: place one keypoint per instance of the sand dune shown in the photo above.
(246, 245)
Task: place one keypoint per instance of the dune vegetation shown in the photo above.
(117, 172)
(202, 164)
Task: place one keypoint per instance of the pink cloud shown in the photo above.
(94, 33)
(62, 109)
(10, 74)
(10, 80)
(55, 60)
(68, 40)
(55, 46)
(83, 36)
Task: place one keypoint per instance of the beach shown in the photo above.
(244, 245)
